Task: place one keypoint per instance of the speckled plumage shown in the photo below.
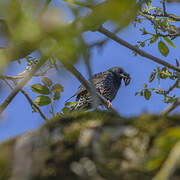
(106, 83)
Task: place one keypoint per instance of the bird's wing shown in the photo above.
(97, 78)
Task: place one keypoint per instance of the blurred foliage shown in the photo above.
(96, 145)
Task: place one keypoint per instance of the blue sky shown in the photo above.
(18, 118)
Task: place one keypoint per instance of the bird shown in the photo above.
(107, 83)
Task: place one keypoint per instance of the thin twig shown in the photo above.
(172, 87)
(171, 107)
(161, 15)
(164, 7)
(86, 84)
(24, 73)
(137, 50)
(21, 84)
(27, 97)
(44, 9)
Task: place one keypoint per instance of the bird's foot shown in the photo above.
(101, 90)
(109, 104)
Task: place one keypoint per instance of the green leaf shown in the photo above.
(65, 109)
(70, 103)
(169, 42)
(40, 89)
(152, 76)
(144, 85)
(56, 96)
(42, 100)
(147, 94)
(57, 88)
(164, 50)
(153, 40)
(141, 92)
(47, 81)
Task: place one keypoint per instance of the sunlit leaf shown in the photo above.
(40, 89)
(56, 96)
(152, 76)
(147, 94)
(164, 50)
(169, 42)
(42, 100)
(47, 81)
(65, 109)
(57, 88)
(70, 103)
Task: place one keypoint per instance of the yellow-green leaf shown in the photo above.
(40, 89)
(42, 100)
(164, 50)
(147, 94)
(169, 42)
(57, 88)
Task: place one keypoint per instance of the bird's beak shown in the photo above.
(127, 79)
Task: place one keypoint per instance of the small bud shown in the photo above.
(46, 81)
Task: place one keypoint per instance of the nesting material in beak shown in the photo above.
(127, 79)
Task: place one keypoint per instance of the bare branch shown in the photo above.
(78, 75)
(22, 84)
(24, 73)
(171, 107)
(137, 50)
(28, 98)
(172, 87)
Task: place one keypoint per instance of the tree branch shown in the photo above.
(22, 84)
(171, 107)
(28, 98)
(172, 87)
(137, 50)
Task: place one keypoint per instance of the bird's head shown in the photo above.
(120, 73)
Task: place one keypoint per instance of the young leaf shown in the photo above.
(65, 109)
(56, 96)
(57, 88)
(46, 81)
(152, 76)
(153, 40)
(147, 94)
(169, 42)
(40, 89)
(70, 103)
(42, 100)
(164, 50)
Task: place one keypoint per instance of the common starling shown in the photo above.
(106, 83)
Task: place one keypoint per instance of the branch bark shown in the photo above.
(137, 50)
(11, 96)
(27, 97)
(171, 107)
